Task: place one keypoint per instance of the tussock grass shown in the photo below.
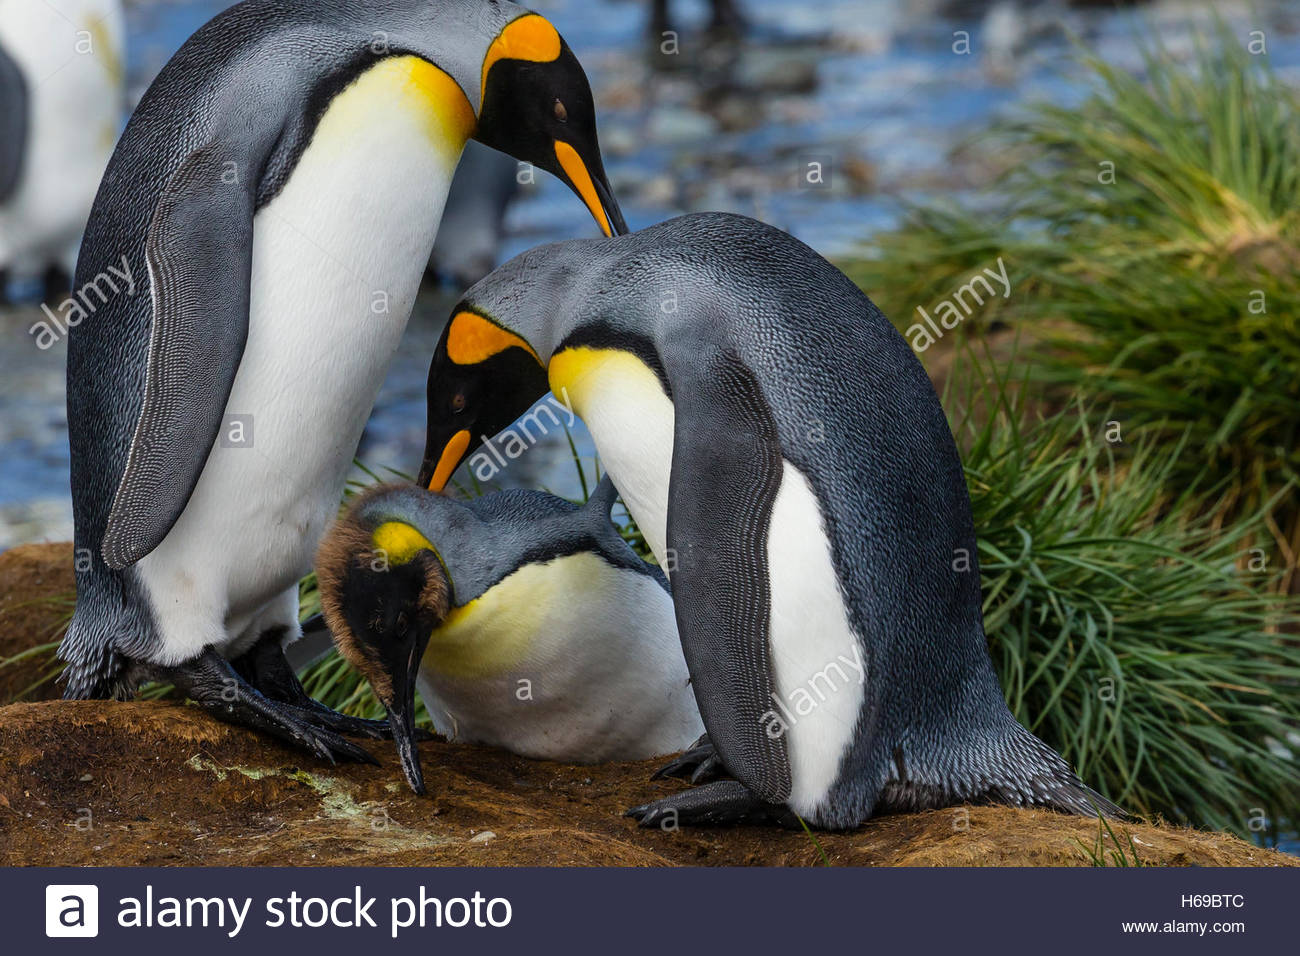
(1175, 277)
(1124, 630)
(39, 662)
(1118, 853)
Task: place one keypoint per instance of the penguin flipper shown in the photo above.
(603, 497)
(200, 257)
(13, 124)
(726, 471)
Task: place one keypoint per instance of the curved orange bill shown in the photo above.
(452, 454)
(594, 191)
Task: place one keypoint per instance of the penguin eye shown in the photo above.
(561, 112)
(458, 402)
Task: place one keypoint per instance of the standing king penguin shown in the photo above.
(790, 466)
(524, 620)
(278, 190)
(62, 93)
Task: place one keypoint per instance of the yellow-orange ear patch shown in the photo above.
(472, 339)
(531, 38)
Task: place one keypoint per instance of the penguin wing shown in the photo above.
(726, 471)
(13, 124)
(200, 256)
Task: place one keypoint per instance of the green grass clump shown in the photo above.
(1152, 236)
(1123, 631)
(1119, 853)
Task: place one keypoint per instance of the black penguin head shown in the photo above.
(383, 591)
(537, 106)
(481, 379)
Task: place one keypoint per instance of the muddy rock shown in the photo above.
(101, 783)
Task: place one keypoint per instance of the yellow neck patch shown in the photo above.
(576, 371)
(417, 87)
(530, 38)
(472, 339)
(399, 542)
(475, 642)
(515, 619)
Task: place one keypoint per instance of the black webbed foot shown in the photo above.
(699, 763)
(724, 803)
(266, 667)
(212, 683)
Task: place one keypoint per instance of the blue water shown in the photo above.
(872, 86)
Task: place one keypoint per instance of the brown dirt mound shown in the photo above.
(37, 592)
(163, 784)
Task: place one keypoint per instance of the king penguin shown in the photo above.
(790, 466)
(62, 95)
(278, 190)
(526, 622)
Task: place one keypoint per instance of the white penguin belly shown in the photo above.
(568, 660)
(337, 260)
(818, 668)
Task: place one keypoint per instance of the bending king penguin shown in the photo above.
(277, 193)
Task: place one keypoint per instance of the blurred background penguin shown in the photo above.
(62, 92)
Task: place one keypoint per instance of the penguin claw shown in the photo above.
(640, 814)
(722, 803)
(333, 747)
(321, 716)
(212, 683)
(266, 667)
(699, 763)
(323, 741)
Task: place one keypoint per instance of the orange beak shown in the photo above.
(452, 456)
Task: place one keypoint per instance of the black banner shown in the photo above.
(654, 911)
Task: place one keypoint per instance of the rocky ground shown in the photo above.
(92, 783)
(162, 784)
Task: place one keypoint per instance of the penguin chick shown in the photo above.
(524, 621)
